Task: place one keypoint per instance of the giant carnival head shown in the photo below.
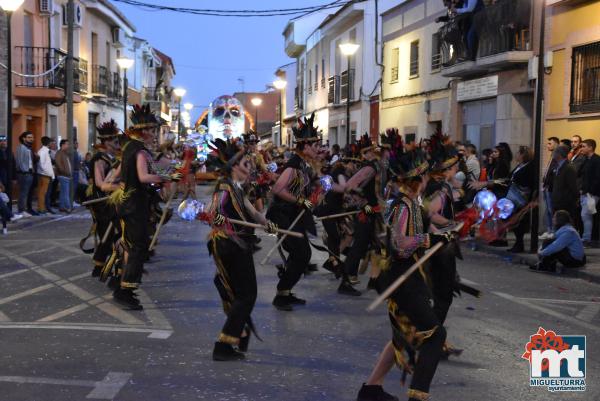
(226, 118)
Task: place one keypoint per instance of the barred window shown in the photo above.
(414, 59)
(436, 52)
(585, 79)
(395, 64)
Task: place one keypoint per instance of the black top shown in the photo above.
(523, 176)
(368, 189)
(233, 206)
(590, 182)
(129, 176)
(99, 156)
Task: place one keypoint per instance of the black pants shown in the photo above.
(103, 218)
(333, 235)
(565, 259)
(442, 270)
(137, 240)
(299, 254)
(236, 282)
(363, 232)
(412, 299)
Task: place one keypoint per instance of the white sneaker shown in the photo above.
(4, 231)
(546, 235)
(75, 204)
(25, 214)
(16, 217)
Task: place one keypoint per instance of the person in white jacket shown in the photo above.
(45, 173)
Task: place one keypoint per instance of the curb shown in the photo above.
(527, 259)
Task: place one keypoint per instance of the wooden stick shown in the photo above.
(162, 221)
(107, 233)
(335, 216)
(256, 225)
(91, 202)
(296, 220)
(407, 274)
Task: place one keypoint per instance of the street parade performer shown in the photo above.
(362, 186)
(231, 246)
(291, 197)
(133, 200)
(417, 333)
(103, 213)
(439, 200)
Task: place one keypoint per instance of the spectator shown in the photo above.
(469, 8)
(45, 173)
(565, 248)
(6, 214)
(53, 196)
(590, 188)
(519, 192)
(473, 166)
(4, 156)
(79, 184)
(547, 180)
(335, 154)
(564, 195)
(567, 143)
(64, 172)
(485, 162)
(25, 170)
(576, 158)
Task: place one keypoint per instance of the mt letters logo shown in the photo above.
(556, 362)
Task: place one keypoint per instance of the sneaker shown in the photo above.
(546, 235)
(75, 204)
(51, 211)
(16, 217)
(540, 268)
(33, 213)
(353, 280)
(4, 231)
(282, 303)
(25, 214)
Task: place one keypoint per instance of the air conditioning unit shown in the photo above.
(78, 20)
(46, 7)
(532, 68)
(118, 37)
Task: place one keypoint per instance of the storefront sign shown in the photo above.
(477, 88)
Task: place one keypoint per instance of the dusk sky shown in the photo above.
(212, 53)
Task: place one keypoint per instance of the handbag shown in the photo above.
(517, 196)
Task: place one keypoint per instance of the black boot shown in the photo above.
(283, 303)
(97, 271)
(374, 393)
(294, 300)
(226, 352)
(114, 282)
(243, 345)
(312, 267)
(373, 285)
(518, 247)
(346, 288)
(126, 297)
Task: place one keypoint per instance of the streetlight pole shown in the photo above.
(256, 102)
(348, 49)
(125, 63)
(280, 84)
(180, 93)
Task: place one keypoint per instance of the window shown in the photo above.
(309, 82)
(585, 79)
(395, 64)
(436, 52)
(317, 77)
(414, 59)
(323, 73)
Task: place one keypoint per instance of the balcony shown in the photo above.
(504, 39)
(153, 94)
(44, 70)
(100, 80)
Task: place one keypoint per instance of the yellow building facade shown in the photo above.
(572, 60)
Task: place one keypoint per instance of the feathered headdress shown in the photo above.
(305, 131)
(250, 137)
(108, 130)
(365, 144)
(409, 165)
(392, 141)
(443, 154)
(225, 154)
(142, 117)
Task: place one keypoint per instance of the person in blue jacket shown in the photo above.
(566, 247)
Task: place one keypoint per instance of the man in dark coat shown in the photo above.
(590, 187)
(564, 182)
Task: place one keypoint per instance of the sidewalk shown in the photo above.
(590, 272)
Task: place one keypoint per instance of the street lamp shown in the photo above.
(188, 106)
(125, 63)
(280, 85)
(348, 50)
(9, 6)
(180, 93)
(256, 101)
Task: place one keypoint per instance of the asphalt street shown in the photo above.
(63, 339)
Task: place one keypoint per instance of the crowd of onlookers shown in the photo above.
(48, 174)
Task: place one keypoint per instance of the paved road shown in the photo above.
(63, 339)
